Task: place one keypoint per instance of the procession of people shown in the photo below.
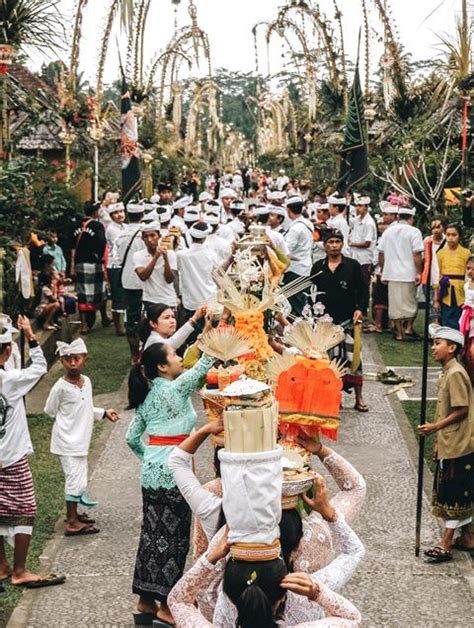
(253, 281)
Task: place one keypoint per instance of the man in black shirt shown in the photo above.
(87, 267)
(345, 298)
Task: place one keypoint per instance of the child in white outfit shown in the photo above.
(70, 402)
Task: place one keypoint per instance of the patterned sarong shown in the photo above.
(17, 495)
(90, 285)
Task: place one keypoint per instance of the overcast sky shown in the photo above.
(229, 24)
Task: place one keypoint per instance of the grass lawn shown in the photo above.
(107, 367)
(403, 353)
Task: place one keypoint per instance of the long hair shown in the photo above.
(291, 531)
(142, 374)
(152, 314)
(254, 588)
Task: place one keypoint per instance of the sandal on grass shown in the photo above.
(43, 581)
(438, 554)
(86, 530)
(372, 329)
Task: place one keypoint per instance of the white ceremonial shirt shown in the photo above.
(130, 279)
(278, 240)
(113, 231)
(363, 230)
(156, 289)
(176, 340)
(226, 232)
(299, 241)
(74, 411)
(195, 267)
(340, 223)
(398, 244)
(220, 246)
(14, 385)
(237, 227)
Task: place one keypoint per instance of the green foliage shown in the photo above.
(33, 196)
(238, 90)
(36, 23)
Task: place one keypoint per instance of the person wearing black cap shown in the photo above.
(342, 291)
(165, 192)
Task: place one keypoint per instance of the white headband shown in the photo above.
(336, 200)
(115, 207)
(74, 348)
(211, 219)
(198, 233)
(150, 226)
(447, 333)
(9, 330)
(205, 196)
(183, 202)
(228, 192)
(276, 209)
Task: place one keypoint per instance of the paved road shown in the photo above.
(392, 588)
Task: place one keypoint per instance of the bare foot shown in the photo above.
(24, 576)
(147, 608)
(5, 572)
(165, 615)
(76, 526)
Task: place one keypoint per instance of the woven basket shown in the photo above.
(214, 406)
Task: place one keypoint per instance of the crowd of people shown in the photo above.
(157, 259)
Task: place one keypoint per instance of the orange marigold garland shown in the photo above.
(250, 325)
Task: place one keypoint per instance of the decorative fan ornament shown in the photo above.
(224, 344)
(314, 338)
(278, 364)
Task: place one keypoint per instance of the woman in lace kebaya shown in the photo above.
(307, 545)
(160, 391)
(265, 589)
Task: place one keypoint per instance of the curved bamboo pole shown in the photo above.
(75, 46)
(104, 46)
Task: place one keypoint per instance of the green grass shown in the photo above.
(403, 353)
(107, 367)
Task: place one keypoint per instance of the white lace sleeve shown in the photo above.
(351, 484)
(341, 569)
(183, 595)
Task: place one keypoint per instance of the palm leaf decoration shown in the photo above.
(321, 337)
(277, 365)
(224, 344)
(33, 23)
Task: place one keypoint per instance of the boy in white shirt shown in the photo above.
(70, 403)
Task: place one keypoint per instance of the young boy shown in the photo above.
(17, 493)
(52, 248)
(70, 402)
(453, 491)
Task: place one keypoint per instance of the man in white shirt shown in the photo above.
(227, 196)
(127, 243)
(238, 182)
(204, 198)
(224, 231)
(299, 240)
(17, 493)
(282, 180)
(237, 226)
(156, 267)
(220, 246)
(195, 267)
(362, 239)
(276, 217)
(113, 231)
(338, 220)
(178, 209)
(401, 248)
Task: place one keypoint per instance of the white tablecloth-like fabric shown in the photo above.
(252, 486)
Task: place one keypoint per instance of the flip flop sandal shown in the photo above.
(462, 548)
(83, 518)
(89, 529)
(144, 619)
(438, 554)
(361, 407)
(44, 581)
(162, 622)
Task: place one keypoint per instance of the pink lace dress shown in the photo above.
(299, 611)
(316, 547)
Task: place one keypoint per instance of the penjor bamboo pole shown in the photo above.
(424, 394)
